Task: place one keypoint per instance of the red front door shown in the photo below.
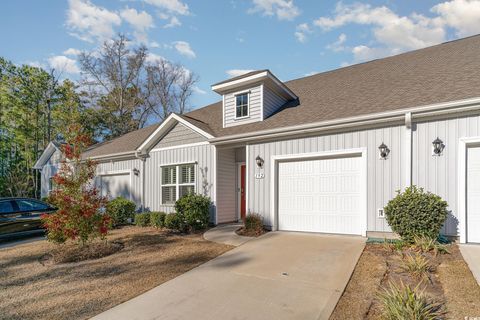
(243, 202)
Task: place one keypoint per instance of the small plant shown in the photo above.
(416, 265)
(195, 209)
(416, 213)
(401, 302)
(253, 223)
(175, 221)
(426, 244)
(142, 219)
(394, 245)
(121, 210)
(157, 219)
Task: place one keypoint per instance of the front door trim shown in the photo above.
(239, 189)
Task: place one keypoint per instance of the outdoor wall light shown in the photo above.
(438, 146)
(136, 171)
(259, 162)
(384, 151)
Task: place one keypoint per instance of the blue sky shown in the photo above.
(217, 39)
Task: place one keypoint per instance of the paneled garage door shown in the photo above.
(321, 195)
(115, 185)
(473, 195)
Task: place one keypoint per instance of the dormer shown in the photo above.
(252, 97)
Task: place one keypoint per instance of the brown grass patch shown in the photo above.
(79, 290)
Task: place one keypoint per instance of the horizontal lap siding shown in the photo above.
(439, 174)
(204, 155)
(226, 188)
(179, 135)
(255, 108)
(384, 177)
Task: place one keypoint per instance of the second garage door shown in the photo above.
(322, 195)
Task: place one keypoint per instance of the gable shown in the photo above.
(179, 135)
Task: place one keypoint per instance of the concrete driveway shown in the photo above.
(277, 276)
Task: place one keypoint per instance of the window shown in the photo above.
(51, 184)
(177, 181)
(29, 205)
(6, 207)
(241, 109)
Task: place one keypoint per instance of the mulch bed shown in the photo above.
(40, 280)
(450, 282)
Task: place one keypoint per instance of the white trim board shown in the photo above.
(362, 152)
(463, 144)
(189, 145)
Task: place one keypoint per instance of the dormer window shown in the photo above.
(241, 106)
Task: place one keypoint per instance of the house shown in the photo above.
(322, 153)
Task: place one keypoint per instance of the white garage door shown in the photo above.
(473, 195)
(115, 185)
(321, 195)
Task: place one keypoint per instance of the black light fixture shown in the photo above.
(384, 151)
(259, 162)
(438, 146)
(136, 171)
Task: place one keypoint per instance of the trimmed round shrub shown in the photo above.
(157, 219)
(416, 213)
(121, 210)
(195, 209)
(142, 219)
(175, 221)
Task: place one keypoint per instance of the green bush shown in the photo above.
(253, 223)
(142, 219)
(415, 213)
(121, 210)
(195, 209)
(157, 219)
(175, 221)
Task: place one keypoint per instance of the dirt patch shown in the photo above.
(71, 252)
(251, 233)
(80, 290)
(449, 282)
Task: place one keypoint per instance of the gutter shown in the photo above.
(376, 118)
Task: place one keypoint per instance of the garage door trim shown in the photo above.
(361, 152)
(119, 172)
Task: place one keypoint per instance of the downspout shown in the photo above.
(408, 149)
(143, 158)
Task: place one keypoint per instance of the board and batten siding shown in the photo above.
(112, 167)
(255, 107)
(271, 101)
(179, 135)
(384, 177)
(48, 171)
(439, 174)
(226, 185)
(204, 157)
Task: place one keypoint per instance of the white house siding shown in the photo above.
(384, 177)
(179, 135)
(203, 155)
(255, 108)
(126, 166)
(48, 171)
(226, 185)
(439, 174)
(271, 101)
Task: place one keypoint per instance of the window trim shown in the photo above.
(177, 183)
(248, 104)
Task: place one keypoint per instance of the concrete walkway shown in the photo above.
(471, 254)
(226, 234)
(278, 276)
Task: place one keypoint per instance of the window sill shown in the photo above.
(241, 118)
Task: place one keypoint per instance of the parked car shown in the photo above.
(21, 216)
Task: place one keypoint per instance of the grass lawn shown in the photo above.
(449, 282)
(34, 287)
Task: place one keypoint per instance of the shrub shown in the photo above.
(157, 219)
(253, 223)
(175, 221)
(416, 213)
(142, 219)
(195, 209)
(416, 265)
(121, 210)
(401, 302)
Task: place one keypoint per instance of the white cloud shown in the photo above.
(283, 9)
(184, 49)
(237, 72)
(301, 32)
(310, 73)
(174, 22)
(63, 64)
(198, 90)
(89, 22)
(338, 45)
(461, 15)
(172, 6)
(72, 52)
(153, 58)
(36, 64)
(141, 21)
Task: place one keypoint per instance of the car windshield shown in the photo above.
(29, 205)
(6, 206)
